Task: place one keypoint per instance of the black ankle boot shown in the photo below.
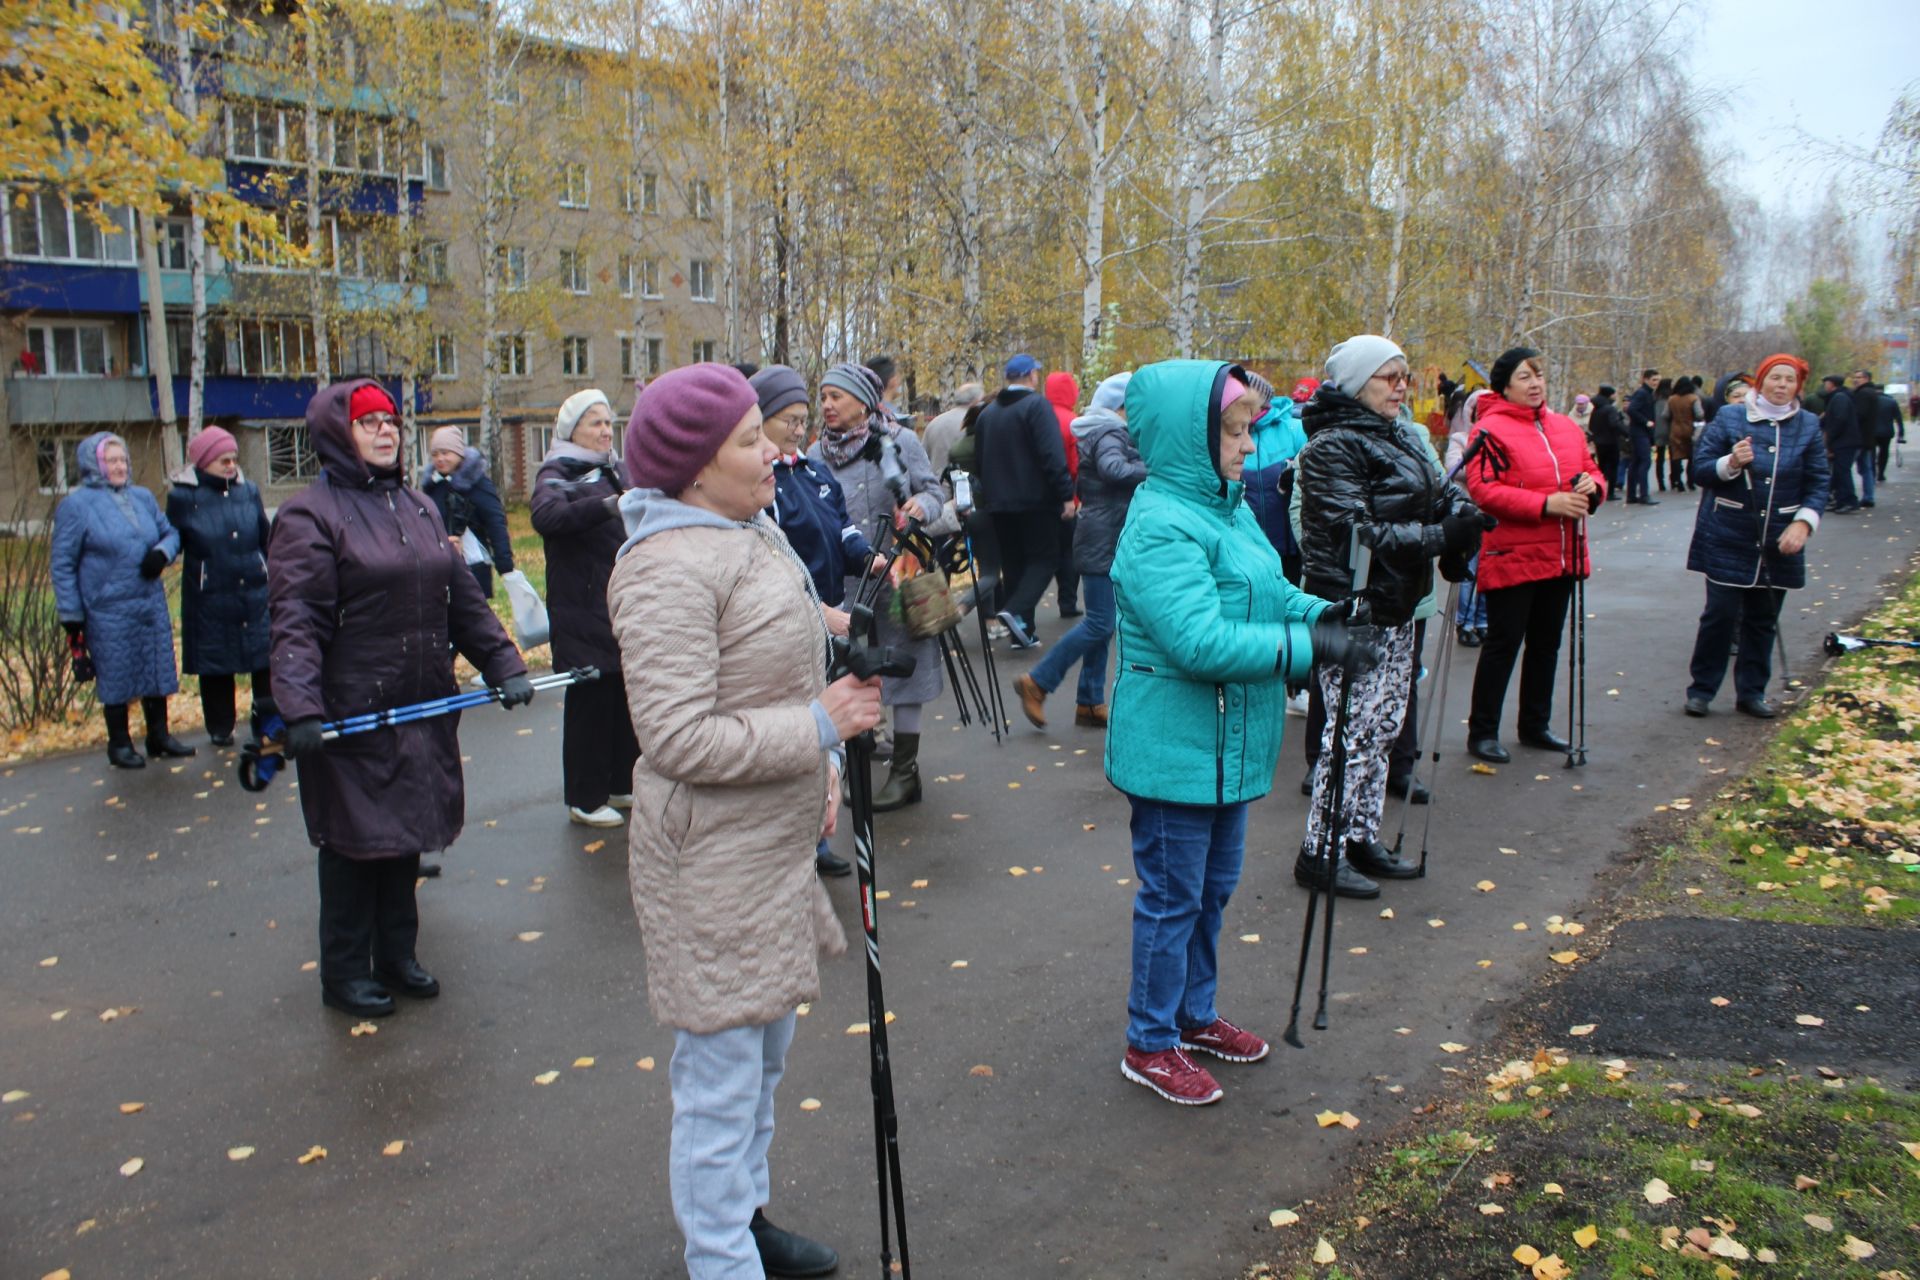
(159, 742)
(783, 1253)
(361, 997)
(120, 752)
(408, 978)
(1371, 858)
(903, 775)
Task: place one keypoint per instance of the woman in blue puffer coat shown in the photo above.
(1210, 630)
(223, 583)
(110, 546)
(1762, 470)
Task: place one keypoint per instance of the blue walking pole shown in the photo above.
(262, 758)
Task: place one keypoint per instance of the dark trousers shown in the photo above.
(1068, 577)
(990, 582)
(1029, 553)
(1844, 494)
(367, 913)
(1406, 748)
(1882, 452)
(1749, 613)
(1677, 472)
(1636, 471)
(1608, 456)
(597, 746)
(1533, 614)
(217, 705)
(1661, 454)
(118, 733)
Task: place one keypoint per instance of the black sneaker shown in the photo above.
(1467, 637)
(1371, 858)
(783, 1253)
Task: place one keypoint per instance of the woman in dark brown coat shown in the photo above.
(369, 599)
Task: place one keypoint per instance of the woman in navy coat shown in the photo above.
(110, 546)
(223, 582)
(1762, 470)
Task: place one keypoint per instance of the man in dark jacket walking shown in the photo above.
(1026, 489)
(1608, 430)
(1880, 419)
(1640, 431)
(1840, 423)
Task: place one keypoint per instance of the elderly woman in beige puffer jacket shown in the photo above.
(724, 649)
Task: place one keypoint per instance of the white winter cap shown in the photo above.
(573, 407)
(1352, 362)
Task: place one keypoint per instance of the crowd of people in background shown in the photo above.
(1250, 555)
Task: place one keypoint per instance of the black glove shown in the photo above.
(1355, 650)
(73, 629)
(1456, 568)
(1354, 611)
(302, 739)
(516, 691)
(154, 563)
(1462, 533)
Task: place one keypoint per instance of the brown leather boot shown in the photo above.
(1033, 700)
(1094, 717)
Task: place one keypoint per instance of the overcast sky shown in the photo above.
(1830, 67)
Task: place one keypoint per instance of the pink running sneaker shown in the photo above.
(1224, 1040)
(1173, 1075)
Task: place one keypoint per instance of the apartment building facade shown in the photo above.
(605, 265)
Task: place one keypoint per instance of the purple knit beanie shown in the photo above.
(680, 421)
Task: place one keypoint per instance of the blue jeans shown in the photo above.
(1843, 493)
(1470, 610)
(1864, 462)
(1187, 859)
(1086, 644)
(723, 1086)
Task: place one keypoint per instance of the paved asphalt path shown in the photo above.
(177, 898)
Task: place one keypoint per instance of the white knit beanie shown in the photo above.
(1352, 362)
(573, 407)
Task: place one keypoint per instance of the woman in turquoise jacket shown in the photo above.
(1210, 631)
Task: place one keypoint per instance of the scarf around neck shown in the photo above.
(1761, 409)
(578, 453)
(843, 447)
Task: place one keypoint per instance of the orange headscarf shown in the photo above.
(1799, 366)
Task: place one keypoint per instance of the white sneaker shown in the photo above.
(1297, 704)
(604, 816)
(620, 802)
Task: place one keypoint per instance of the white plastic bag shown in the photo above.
(529, 611)
(471, 549)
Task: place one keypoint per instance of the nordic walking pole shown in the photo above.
(857, 655)
(1443, 655)
(1577, 657)
(1336, 839)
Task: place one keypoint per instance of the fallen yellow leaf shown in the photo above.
(1436, 924)
(14, 1095)
(1857, 1249)
(645, 1064)
(1249, 937)
(1719, 1002)
(394, 1148)
(1452, 1046)
(1584, 1029)
(581, 1064)
(1564, 957)
(1818, 1221)
(132, 1167)
(1526, 1255)
(1553, 1189)
(1485, 886)
(1323, 1253)
(1551, 1268)
(132, 1108)
(313, 1154)
(1328, 1119)
(1481, 767)
(1016, 871)
(1809, 1020)
(809, 1104)
(919, 884)
(531, 935)
(61, 1274)
(1587, 1236)
(237, 1154)
(546, 1077)
(1282, 1218)
(982, 1070)
(364, 1029)
(1386, 913)
(1657, 1191)
(49, 962)
(1912, 1149)
(1492, 1210)
(595, 847)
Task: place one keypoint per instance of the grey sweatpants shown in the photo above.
(1378, 704)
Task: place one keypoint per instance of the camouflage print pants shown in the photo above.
(1376, 707)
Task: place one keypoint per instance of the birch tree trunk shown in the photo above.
(316, 268)
(971, 298)
(729, 280)
(196, 239)
(158, 366)
(1195, 166)
(490, 199)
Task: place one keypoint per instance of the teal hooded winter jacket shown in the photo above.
(1210, 629)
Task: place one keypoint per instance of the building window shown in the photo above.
(639, 112)
(506, 88)
(573, 271)
(71, 350)
(433, 262)
(703, 350)
(290, 455)
(173, 243)
(435, 167)
(700, 199)
(40, 224)
(649, 277)
(576, 356)
(654, 357)
(253, 131)
(576, 188)
(513, 355)
(700, 279)
(55, 463)
(623, 275)
(446, 356)
(627, 353)
(573, 97)
(510, 262)
(649, 192)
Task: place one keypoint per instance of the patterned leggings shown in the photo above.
(1374, 712)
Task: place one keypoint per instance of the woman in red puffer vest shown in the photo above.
(1534, 474)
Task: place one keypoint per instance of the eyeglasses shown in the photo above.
(373, 422)
(1391, 379)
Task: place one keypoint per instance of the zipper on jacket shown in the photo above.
(1540, 425)
(1220, 745)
